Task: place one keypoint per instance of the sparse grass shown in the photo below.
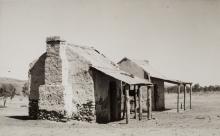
(18, 84)
(203, 120)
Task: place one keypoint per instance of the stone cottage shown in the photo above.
(76, 82)
(143, 69)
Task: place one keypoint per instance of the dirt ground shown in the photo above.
(202, 120)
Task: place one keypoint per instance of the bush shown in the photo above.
(195, 88)
(7, 90)
(25, 90)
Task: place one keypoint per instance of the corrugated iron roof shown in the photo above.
(154, 73)
(123, 76)
(145, 65)
(148, 68)
(103, 64)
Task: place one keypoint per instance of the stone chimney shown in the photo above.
(53, 63)
(53, 45)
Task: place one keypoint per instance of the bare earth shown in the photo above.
(202, 120)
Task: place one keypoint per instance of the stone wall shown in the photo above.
(51, 94)
(53, 64)
(68, 93)
(51, 98)
(81, 82)
(46, 88)
(36, 77)
(132, 68)
(62, 85)
(159, 104)
(51, 102)
(90, 90)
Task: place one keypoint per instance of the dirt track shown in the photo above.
(203, 120)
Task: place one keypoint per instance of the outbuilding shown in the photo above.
(78, 82)
(143, 69)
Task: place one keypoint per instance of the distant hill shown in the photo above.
(18, 84)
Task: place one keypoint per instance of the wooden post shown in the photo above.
(178, 96)
(140, 102)
(4, 99)
(127, 104)
(184, 97)
(135, 102)
(190, 97)
(124, 102)
(121, 95)
(149, 105)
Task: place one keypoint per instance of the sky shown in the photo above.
(180, 38)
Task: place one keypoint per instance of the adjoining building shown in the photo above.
(77, 82)
(143, 69)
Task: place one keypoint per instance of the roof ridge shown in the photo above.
(148, 63)
(80, 46)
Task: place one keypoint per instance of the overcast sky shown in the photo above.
(180, 38)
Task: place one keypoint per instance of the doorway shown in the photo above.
(113, 101)
(155, 97)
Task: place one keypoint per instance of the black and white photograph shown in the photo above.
(109, 68)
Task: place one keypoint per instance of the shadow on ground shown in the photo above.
(160, 110)
(1, 106)
(20, 117)
(166, 109)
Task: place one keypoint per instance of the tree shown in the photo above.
(25, 90)
(7, 90)
(171, 89)
(196, 87)
(205, 88)
(217, 88)
(211, 88)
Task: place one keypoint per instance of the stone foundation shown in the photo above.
(85, 112)
(50, 104)
(33, 109)
(50, 115)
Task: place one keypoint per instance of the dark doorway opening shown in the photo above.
(155, 97)
(113, 101)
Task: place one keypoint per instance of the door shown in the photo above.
(155, 96)
(113, 101)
